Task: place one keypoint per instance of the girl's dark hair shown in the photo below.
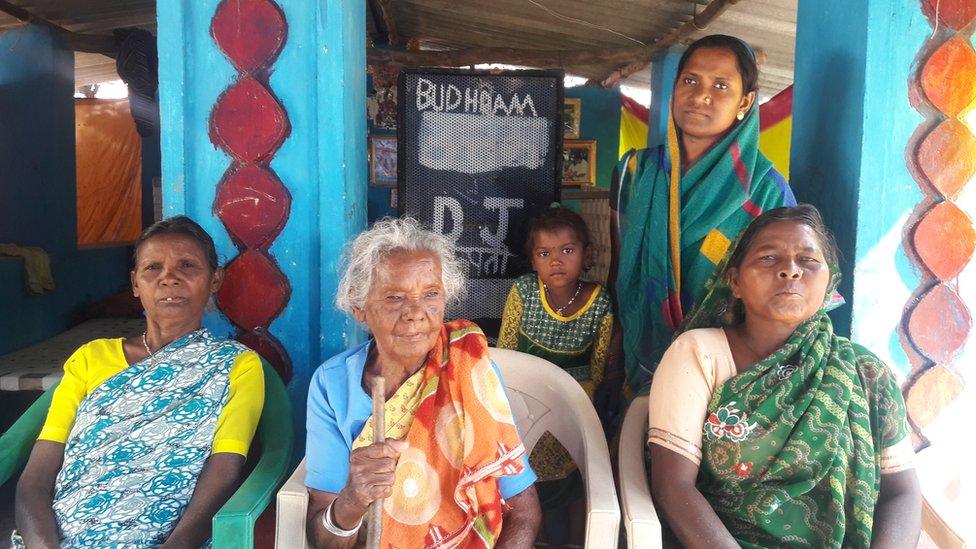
(745, 57)
(802, 213)
(181, 225)
(554, 218)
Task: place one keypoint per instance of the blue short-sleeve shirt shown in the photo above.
(338, 408)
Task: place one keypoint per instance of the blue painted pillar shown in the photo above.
(664, 71)
(319, 79)
(852, 122)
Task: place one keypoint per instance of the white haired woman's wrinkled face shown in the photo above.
(404, 309)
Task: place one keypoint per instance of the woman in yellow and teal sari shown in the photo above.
(766, 428)
(146, 436)
(678, 205)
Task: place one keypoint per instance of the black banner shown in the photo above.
(478, 156)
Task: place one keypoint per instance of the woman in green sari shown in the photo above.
(679, 204)
(766, 428)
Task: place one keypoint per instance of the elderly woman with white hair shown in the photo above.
(453, 469)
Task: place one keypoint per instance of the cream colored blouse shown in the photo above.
(696, 364)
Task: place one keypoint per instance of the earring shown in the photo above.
(740, 115)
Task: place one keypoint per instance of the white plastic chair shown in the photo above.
(291, 508)
(640, 519)
(544, 398)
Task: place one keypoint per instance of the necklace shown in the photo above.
(559, 311)
(150, 354)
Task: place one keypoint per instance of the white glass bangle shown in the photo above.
(329, 525)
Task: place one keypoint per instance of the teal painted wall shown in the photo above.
(852, 122)
(37, 191)
(600, 120)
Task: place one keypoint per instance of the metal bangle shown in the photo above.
(331, 526)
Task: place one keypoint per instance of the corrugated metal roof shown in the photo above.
(769, 25)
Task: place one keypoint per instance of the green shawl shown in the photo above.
(670, 241)
(791, 447)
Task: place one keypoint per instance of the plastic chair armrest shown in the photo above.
(233, 525)
(292, 508)
(17, 442)
(640, 518)
(603, 511)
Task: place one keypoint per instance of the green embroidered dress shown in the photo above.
(577, 343)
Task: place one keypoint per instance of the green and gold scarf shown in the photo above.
(675, 227)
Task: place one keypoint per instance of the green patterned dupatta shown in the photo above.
(791, 447)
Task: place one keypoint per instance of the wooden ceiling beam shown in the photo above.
(508, 56)
(393, 37)
(631, 59)
(89, 43)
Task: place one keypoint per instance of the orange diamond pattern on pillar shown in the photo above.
(947, 157)
(949, 76)
(944, 240)
(957, 14)
(939, 324)
(930, 393)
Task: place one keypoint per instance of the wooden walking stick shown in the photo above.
(375, 526)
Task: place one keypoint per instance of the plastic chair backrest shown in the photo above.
(18, 441)
(544, 398)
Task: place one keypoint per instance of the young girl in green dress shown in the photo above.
(553, 314)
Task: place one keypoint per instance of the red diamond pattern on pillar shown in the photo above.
(254, 291)
(947, 157)
(949, 77)
(253, 205)
(250, 32)
(944, 240)
(954, 13)
(265, 344)
(248, 122)
(939, 324)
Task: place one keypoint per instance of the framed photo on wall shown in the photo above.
(571, 117)
(382, 161)
(579, 163)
